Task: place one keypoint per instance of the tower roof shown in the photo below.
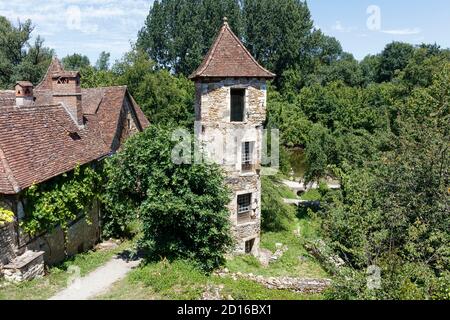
(228, 58)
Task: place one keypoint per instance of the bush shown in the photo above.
(182, 207)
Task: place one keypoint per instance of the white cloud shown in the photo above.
(338, 26)
(403, 32)
(82, 25)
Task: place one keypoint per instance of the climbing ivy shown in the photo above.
(60, 200)
(6, 216)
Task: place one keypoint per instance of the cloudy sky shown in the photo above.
(362, 26)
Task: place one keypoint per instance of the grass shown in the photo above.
(56, 280)
(180, 281)
(295, 262)
(311, 195)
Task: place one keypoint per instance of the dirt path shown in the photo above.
(98, 281)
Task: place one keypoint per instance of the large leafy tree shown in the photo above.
(75, 62)
(182, 207)
(20, 59)
(164, 98)
(395, 215)
(393, 59)
(277, 43)
(178, 33)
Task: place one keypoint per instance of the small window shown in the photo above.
(237, 105)
(247, 156)
(249, 245)
(244, 202)
(75, 136)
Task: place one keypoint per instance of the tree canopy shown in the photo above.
(20, 59)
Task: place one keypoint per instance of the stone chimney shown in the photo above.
(67, 91)
(24, 93)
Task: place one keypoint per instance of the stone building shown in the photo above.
(230, 112)
(46, 131)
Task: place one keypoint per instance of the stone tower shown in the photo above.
(230, 111)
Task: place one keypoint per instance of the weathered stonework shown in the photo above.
(8, 243)
(28, 266)
(222, 142)
(81, 236)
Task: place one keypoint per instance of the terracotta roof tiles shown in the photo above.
(228, 57)
(41, 141)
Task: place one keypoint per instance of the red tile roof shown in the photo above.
(35, 141)
(228, 58)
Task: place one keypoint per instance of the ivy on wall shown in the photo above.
(61, 200)
(6, 216)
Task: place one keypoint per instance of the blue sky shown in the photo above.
(91, 26)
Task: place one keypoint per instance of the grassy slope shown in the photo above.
(178, 280)
(58, 276)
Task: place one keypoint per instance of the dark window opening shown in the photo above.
(63, 81)
(237, 105)
(74, 135)
(247, 156)
(249, 245)
(244, 202)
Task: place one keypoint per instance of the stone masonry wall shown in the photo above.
(222, 141)
(81, 236)
(8, 243)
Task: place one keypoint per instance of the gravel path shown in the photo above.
(98, 281)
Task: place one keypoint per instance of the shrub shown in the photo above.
(182, 207)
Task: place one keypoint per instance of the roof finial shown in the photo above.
(225, 20)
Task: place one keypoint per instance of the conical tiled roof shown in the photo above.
(228, 58)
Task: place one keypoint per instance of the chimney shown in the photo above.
(67, 91)
(24, 93)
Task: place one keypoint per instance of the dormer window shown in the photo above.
(237, 105)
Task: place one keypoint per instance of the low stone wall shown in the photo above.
(26, 267)
(8, 243)
(299, 285)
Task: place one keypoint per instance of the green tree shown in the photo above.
(178, 33)
(394, 214)
(277, 43)
(102, 63)
(393, 59)
(19, 59)
(163, 97)
(182, 207)
(75, 62)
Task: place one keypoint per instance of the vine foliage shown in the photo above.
(61, 200)
(6, 216)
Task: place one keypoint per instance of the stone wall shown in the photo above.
(81, 236)
(26, 267)
(222, 141)
(8, 243)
